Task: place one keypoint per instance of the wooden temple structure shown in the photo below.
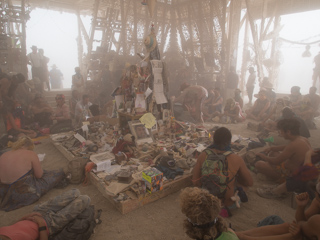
(202, 35)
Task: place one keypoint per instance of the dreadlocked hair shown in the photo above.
(23, 142)
(201, 207)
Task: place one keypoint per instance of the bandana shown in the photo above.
(205, 225)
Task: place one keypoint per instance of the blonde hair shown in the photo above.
(23, 142)
(201, 207)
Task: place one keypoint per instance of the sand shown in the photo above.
(163, 218)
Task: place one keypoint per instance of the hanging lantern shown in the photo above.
(151, 6)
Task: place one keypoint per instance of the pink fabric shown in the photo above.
(23, 230)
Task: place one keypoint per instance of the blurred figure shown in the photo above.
(45, 71)
(62, 116)
(250, 84)
(78, 81)
(295, 97)
(56, 77)
(237, 97)
(82, 111)
(231, 82)
(316, 70)
(42, 112)
(75, 98)
(260, 107)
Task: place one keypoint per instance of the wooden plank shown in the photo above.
(132, 204)
(129, 205)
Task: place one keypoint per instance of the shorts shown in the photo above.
(284, 173)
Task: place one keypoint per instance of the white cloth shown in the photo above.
(35, 59)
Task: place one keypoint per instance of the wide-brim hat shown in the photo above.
(34, 47)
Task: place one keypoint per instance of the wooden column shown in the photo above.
(245, 59)
(274, 69)
(79, 42)
(23, 60)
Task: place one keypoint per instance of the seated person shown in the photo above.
(232, 112)
(48, 218)
(315, 100)
(260, 107)
(62, 116)
(22, 179)
(280, 162)
(237, 169)
(305, 226)
(216, 107)
(203, 220)
(295, 96)
(305, 111)
(206, 109)
(287, 113)
(82, 111)
(237, 97)
(15, 121)
(270, 122)
(75, 98)
(42, 112)
(188, 106)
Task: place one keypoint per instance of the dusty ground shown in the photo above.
(161, 219)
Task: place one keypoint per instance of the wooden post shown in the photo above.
(135, 30)
(79, 42)
(23, 60)
(274, 68)
(255, 42)
(245, 56)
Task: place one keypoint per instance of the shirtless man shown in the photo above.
(290, 158)
(237, 169)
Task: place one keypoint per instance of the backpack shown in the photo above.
(80, 228)
(215, 173)
(76, 168)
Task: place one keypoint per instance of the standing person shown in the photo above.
(34, 59)
(48, 218)
(78, 81)
(316, 70)
(55, 77)
(45, 71)
(250, 84)
(231, 82)
(82, 111)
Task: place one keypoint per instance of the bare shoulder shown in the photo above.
(235, 159)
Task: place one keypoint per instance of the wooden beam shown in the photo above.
(79, 42)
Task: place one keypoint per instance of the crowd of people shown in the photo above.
(220, 176)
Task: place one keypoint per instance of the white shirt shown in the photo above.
(35, 59)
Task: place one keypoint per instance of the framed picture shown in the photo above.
(140, 132)
(165, 114)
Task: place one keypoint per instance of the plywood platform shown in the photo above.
(129, 205)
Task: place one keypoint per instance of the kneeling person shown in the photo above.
(219, 170)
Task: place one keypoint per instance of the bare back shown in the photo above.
(16, 163)
(298, 149)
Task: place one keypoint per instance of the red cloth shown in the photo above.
(23, 230)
